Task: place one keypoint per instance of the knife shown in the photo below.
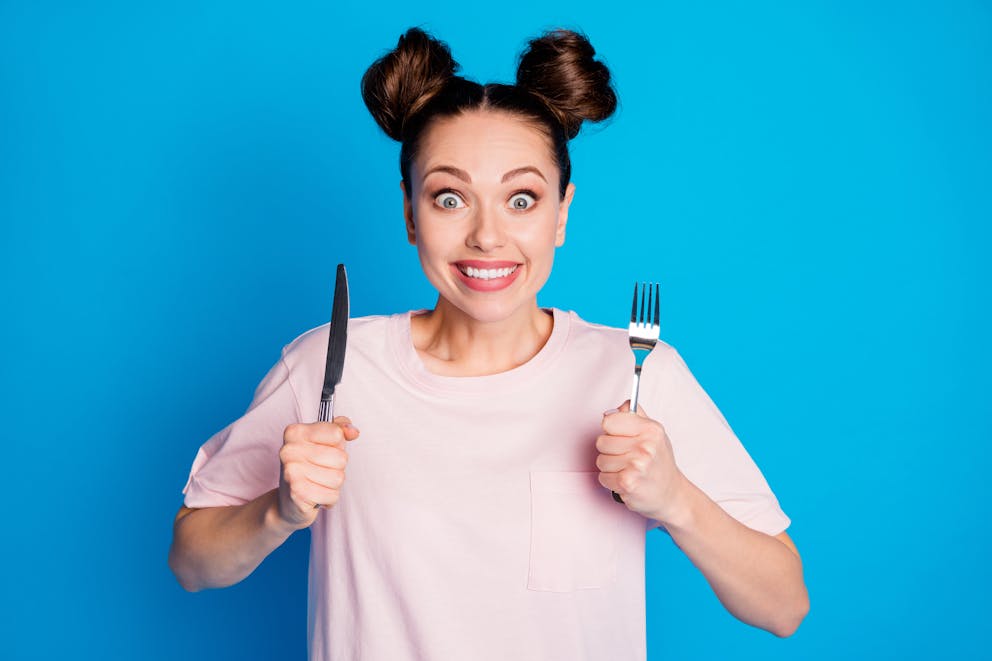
(336, 342)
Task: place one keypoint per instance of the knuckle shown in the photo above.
(334, 479)
(335, 458)
(288, 459)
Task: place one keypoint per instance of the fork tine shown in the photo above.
(657, 308)
(647, 317)
(640, 319)
(633, 311)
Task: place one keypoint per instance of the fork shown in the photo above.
(643, 333)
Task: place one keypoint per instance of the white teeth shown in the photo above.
(488, 274)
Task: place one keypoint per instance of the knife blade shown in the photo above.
(336, 342)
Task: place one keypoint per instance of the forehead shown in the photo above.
(485, 142)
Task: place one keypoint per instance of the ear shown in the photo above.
(563, 215)
(411, 234)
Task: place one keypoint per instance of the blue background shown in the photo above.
(808, 181)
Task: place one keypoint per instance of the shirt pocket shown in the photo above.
(573, 535)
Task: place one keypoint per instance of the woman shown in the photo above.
(476, 521)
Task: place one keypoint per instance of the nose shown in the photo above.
(486, 232)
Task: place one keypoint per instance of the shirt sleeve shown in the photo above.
(705, 447)
(241, 461)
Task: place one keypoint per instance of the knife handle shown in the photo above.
(326, 413)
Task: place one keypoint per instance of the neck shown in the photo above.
(451, 343)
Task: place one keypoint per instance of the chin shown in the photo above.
(488, 312)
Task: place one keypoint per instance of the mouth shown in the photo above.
(486, 276)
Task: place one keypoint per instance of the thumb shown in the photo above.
(351, 432)
(625, 407)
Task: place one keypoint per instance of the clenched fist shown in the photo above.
(636, 461)
(312, 462)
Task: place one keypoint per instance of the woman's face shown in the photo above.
(484, 212)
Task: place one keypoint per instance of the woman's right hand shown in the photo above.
(312, 462)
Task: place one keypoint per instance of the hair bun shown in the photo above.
(404, 80)
(558, 67)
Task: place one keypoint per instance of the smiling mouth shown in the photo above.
(487, 274)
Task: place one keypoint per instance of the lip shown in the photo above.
(494, 284)
(480, 264)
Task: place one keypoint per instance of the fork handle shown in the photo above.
(633, 390)
(633, 407)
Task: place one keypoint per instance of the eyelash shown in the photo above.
(525, 191)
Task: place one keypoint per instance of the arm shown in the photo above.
(757, 577)
(216, 547)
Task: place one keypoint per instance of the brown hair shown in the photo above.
(559, 85)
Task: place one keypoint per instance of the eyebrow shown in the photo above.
(464, 176)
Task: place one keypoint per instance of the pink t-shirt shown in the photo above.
(471, 524)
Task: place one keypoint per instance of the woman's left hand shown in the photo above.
(636, 461)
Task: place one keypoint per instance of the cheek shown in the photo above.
(541, 236)
(432, 238)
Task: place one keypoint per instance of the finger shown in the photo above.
(610, 463)
(325, 456)
(625, 407)
(325, 433)
(625, 423)
(614, 463)
(623, 482)
(324, 478)
(309, 495)
(638, 459)
(615, 445)
(612, 482)
(351, 432)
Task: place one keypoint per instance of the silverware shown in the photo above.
(336, 341)
(643, 333)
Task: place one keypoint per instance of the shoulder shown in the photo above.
(583, 331)
(312, 344)
(587, 334)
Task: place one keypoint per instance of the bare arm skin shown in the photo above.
(215, 547)
(757, 577)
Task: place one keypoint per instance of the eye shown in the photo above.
(448, 199)
(522, 201)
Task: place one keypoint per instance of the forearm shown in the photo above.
(219, 546)
(756, 577)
